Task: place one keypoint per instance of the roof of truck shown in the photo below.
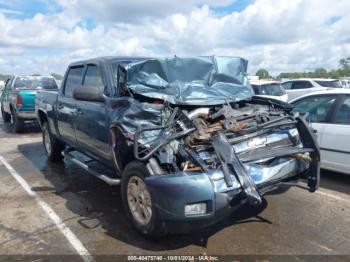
(108, 58)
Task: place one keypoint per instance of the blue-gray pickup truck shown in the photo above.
(184, 137)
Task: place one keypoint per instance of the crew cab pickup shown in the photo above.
(184, 137)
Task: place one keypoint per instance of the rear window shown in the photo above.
(35, 83)
(272, 90)
(334, 84)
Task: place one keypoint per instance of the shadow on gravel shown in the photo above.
(100, 205)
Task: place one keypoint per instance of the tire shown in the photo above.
(148, 226)
(5, 116)
(18, 123)
(53, 147)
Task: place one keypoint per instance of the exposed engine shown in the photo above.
(185, 142)
(259, 139)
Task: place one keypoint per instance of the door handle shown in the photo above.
(60, 106)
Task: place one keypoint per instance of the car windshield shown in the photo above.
(334, 83)
(271, 90)
(35, 83)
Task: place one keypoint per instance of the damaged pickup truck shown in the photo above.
(184, 137)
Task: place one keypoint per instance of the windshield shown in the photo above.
(269, 90)
(30, 82)
(188, 81)
(334, 83)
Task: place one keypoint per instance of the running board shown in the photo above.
(84, 165)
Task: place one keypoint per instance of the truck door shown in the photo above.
(91, 130)
(66, 108)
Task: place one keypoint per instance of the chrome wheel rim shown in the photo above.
(139, 200)
(47, 141)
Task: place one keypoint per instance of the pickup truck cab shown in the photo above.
(18, 98)
(184, 137)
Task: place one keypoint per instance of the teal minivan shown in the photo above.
(18, 98)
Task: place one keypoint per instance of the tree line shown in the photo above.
(342, 71)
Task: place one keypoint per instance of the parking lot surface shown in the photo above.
(294, 223)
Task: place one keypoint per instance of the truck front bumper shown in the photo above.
(172, 193)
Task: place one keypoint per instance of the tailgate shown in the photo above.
(28, 100)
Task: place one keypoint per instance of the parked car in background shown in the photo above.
(18, 98)
(269, 89)
(329, 114)
(345, 83)
(187, 140)
(299, 87)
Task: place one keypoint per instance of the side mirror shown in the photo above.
(88, 93)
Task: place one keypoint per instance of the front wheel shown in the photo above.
(53, 147)
(137, 201)
(5, 116)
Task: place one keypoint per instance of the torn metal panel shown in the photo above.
(128, 114)
(230, 163)
(190, 81)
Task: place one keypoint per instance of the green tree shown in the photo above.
(321, 72)
(263, 73)
(344, 63)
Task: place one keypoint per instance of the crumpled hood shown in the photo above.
(190, 81)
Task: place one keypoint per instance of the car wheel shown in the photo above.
(18, 123)
(53, 147)
(5, 116)
(137, 201)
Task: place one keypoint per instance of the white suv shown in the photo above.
(299, 87)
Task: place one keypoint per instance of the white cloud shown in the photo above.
(278, 35)
(136, 11)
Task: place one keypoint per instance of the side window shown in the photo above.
(93, 78)
(301, 84)
(342, 115)
(318, 107)
(73, 80)
(287, 85)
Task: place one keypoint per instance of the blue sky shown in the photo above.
(27, 9)
(285, 35)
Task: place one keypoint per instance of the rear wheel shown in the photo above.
(5, 116)
(18, 123)
(138, 202)
(53, 147)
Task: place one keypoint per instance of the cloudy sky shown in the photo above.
(43, 36)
